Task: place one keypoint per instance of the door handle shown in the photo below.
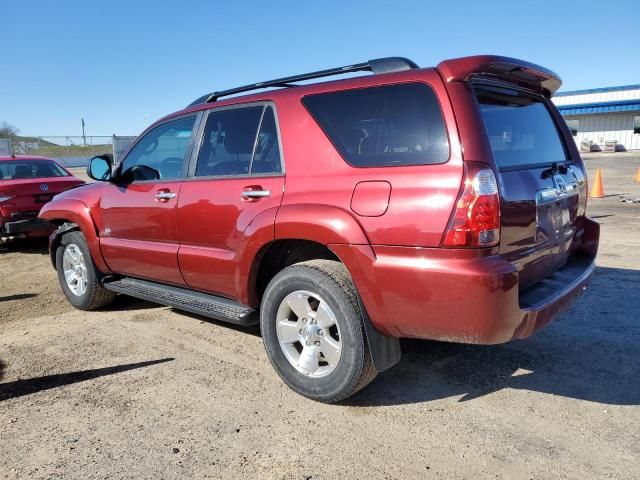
(255, 194)
(164, 196)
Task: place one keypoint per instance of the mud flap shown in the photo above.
(385, 350)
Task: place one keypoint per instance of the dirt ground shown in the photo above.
(140, 391)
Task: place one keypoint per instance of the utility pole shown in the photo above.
(84, 137)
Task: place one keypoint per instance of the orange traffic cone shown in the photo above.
(597, 190)
(637, 179)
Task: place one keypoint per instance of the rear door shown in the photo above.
(238, 176)
(543, 189)
(138, 231)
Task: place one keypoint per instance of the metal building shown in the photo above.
(604, 119)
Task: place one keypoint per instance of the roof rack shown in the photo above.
(377, 66)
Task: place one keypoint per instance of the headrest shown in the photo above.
(22, 171)
(239, 140)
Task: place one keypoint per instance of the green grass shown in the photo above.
(73, 151)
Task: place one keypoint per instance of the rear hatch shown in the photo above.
(542, 189)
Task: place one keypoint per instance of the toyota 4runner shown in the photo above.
(442, 203)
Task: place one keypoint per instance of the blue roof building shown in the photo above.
(603, 118)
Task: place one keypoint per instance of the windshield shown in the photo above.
(22, 169)
(520, 129)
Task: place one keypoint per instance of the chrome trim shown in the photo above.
(553, 194)
(256, 193)
(165, 195)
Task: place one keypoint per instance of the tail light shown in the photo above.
(476, 220)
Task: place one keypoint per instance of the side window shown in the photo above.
(239, 141)
(159, 155)
(383, 126)
(228, 141)
(266, 158)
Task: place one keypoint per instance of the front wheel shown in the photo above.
(78, 276)
(313, 331)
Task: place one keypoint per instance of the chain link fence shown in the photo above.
(71, 151)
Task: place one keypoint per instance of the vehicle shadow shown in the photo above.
(127, 303)
(20, 388)
(589, 353)
(35, 246)
(2, 368)
(246, 329)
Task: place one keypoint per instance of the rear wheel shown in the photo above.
(78, 276)
(313, 331)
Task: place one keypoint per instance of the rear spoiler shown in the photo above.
(507, 69)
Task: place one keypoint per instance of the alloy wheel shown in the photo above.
(308, 333)
(75, 269)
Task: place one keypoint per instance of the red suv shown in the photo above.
(442, 203)
(26, 184)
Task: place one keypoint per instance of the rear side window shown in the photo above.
(520, 129)
(383, 126)
(266, 158)
(239, 141)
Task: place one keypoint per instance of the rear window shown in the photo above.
(23, 169)
(520, 129)
(383, 126)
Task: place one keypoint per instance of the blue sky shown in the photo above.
(121, 65)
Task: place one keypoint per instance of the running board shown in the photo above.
(204, 304)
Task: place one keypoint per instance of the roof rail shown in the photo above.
(378, 65)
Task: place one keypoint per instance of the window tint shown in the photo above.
(23, 169)
(521, 130)
(383, 126)
(228, 142)
(160, 153)
(267, 155)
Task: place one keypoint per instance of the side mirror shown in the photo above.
(99, 167)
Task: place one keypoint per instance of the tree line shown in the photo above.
(8, 130)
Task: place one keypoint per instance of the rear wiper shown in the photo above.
(553, 169)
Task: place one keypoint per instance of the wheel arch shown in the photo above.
(279, 254)
(68, 215)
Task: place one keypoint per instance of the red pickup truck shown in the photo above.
(442, 203)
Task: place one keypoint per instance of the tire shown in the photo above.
(326, 286)
(93, 295)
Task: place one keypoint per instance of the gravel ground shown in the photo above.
(140, 391)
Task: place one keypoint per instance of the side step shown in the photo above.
(204, 304)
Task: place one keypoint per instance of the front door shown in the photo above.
(138, 231)
(238, 177)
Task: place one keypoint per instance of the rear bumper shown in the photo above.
(431, 294)
(546, 300)
(29, 227)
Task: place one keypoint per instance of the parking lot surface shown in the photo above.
(141, 391)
